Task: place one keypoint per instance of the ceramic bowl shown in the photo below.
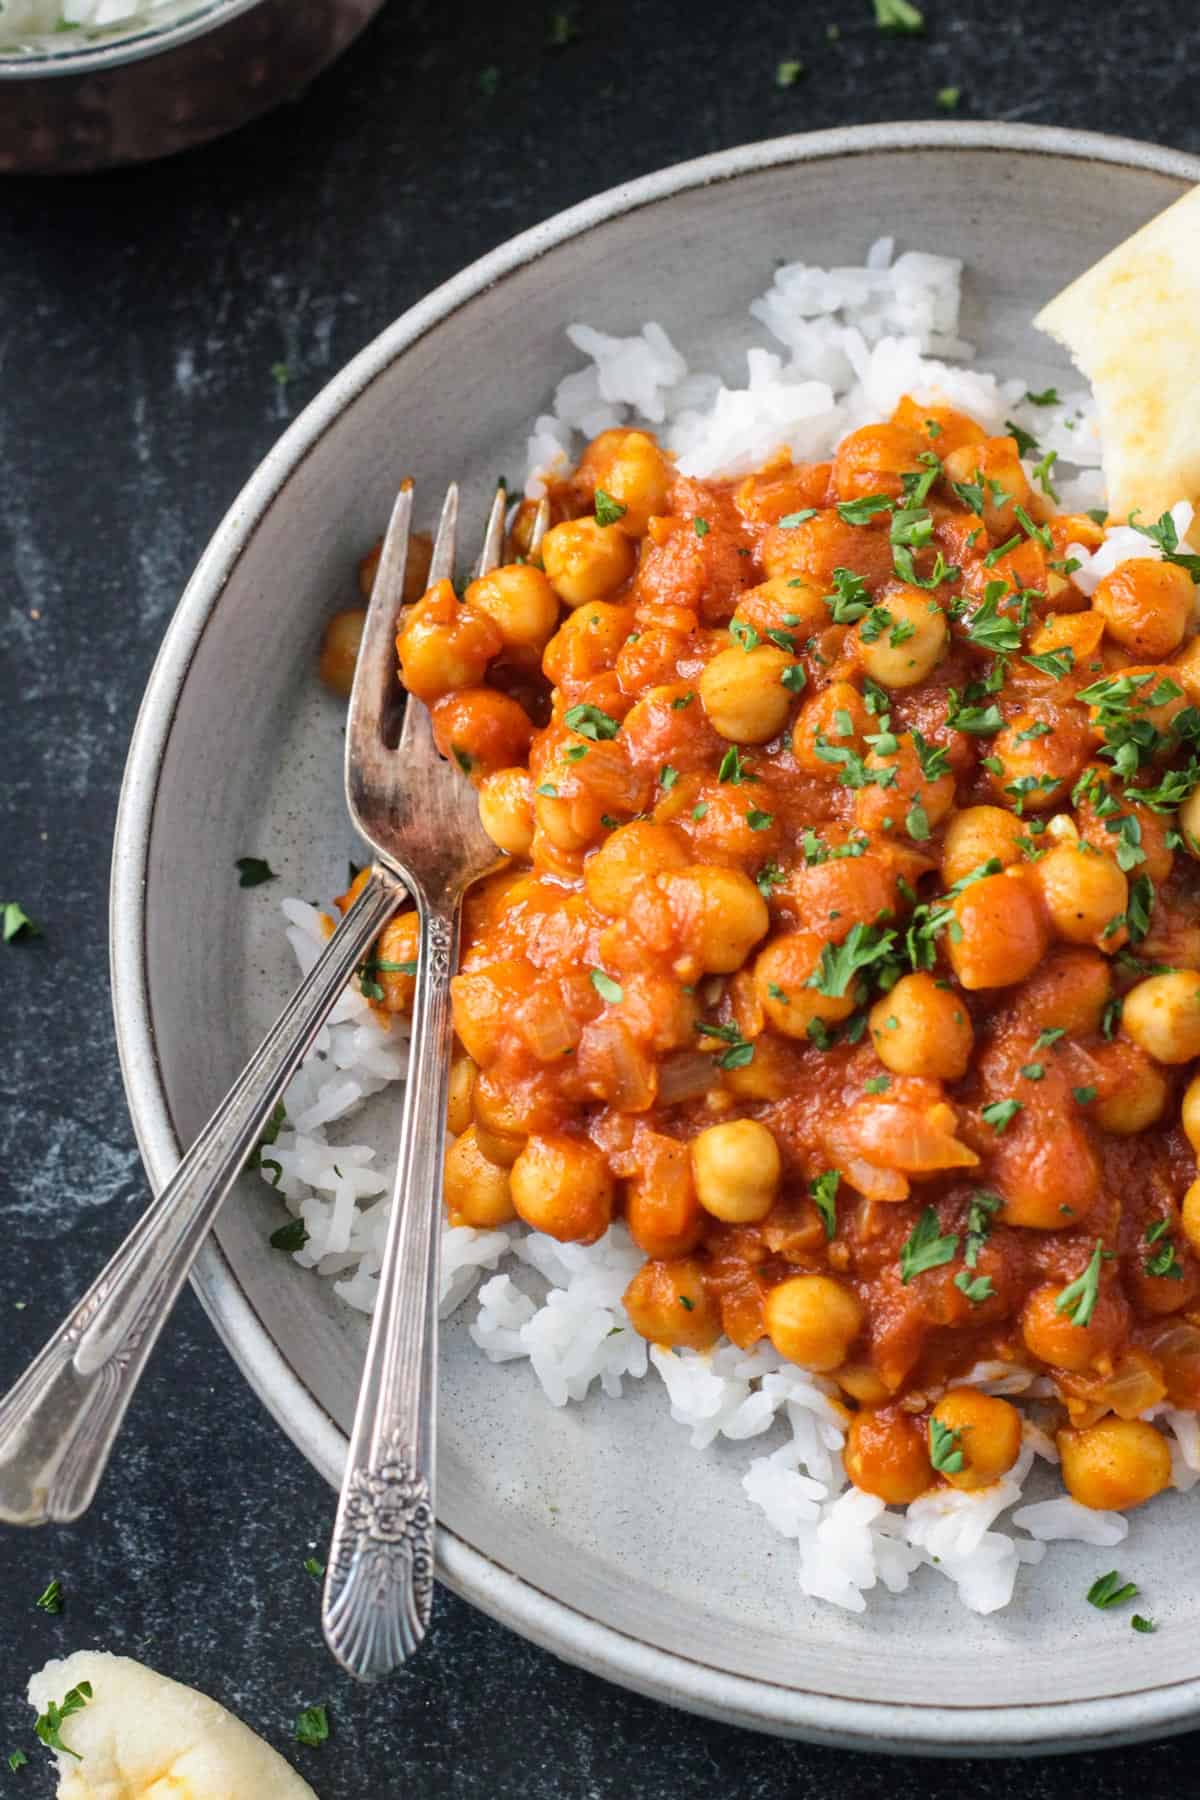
(88, 100)
(593, 1530)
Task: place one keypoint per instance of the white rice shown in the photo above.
(24, 20)
(854, 341)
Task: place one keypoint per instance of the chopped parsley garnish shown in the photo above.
(687, 1304)
(859, 512)
(1078, 1298)
(1166, 536)
(798, 518)
(1025, 442)
(1164, 1263)
(1033, 1071)
(977, 721)
(591, 722)
(1055, 663)
(15, 922)
(607, 988)
(758, 820)
(783, 640)
(1050, 1034)
(17, 1759)
(51, 1598)
(768, 878)
(933, 758)
(1109, 1590)
(667, 777)
(850, 599)
(916, 822)
(290, 1237)
(699, 810)
(925, 1247)
(863, 946)
(700, 527)
(1141, 1624)
(824, 1193)
(575, 752)
(793, 678)
(981, 1208)
(608, 510)
(946, 100)
(1000, 1114)
(274, 1126)
(49, 1725)
(253, 871)
(313, 1567)
(788, 73)
(1048, 397)
(548, 789)
(740, 1051)
(899, 16)
(744, 634)
(977, 1288)
(680, 701)
(877, 1084)
(1042, 474)
(990, 630)
(312, 1726)
(733, 769)
(944, 1452)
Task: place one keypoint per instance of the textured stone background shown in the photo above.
(141, 317)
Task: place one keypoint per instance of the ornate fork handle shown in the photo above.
(379, 1586)
(58, 1424)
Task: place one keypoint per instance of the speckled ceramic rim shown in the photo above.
(764, 1706)
(92, 56)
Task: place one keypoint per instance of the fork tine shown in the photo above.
(441, 566)
(541, 525)
(493, 537)
(375, 675)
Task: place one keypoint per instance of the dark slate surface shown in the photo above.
(141, 317)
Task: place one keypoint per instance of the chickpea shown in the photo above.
(1045, 1167)
(416, 567)
(812, 1320)
(669, 1303)
(1114, 1465)
(1135, 1092)
(483, 1004)
(736, 1169)
(873, 459)
(481, 730)
(458, 1097)
(988, 1436)
(977, 835)
(912, 641)
(796, 606)
(628, 854)
(442, 647)
(662, 1210)
(1040, 758)
(1053, 1339)
(506, 809)
(911, 801)
(477, 1191)
(920, 1028)
(887, 1454)
(781, 976)
(340, 645)
(835, 896)
(719, 915)
(998, 461)
(398, 943)
(589, 641)
(1146, 605)
(743, 693)
(630, 467)
(836, 717)
(1190, 1215)
(1162, 1016)
(1083, 892)
(1188, 819)
(1189, 1113)
(1069, 992)
(561, 1185)
(1003, 932)
(586, 561)
(520, 603)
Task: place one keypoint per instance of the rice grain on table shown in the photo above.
(852, 343)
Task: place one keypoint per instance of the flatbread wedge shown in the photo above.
(141, 1736)
(1132, 325)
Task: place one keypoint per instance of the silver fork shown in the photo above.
(378, 1592)
(59, 1422)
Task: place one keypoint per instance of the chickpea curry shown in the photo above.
(848, 949)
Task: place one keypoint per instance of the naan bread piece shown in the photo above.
(1132, 324)
(142, 1737)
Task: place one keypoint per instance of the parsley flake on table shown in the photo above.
(925, 1247)
(312, 1726)
(946, 99)
(290, 1237)
(15, 922)
(944, 1448)
(253, 871)
(313, 1567)
(50, 1723)
(788, 72)
(608, 510)
(1142, 1624)
(1109, 1590)
(50, 1600)
(899, 16)
(17, 1759)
